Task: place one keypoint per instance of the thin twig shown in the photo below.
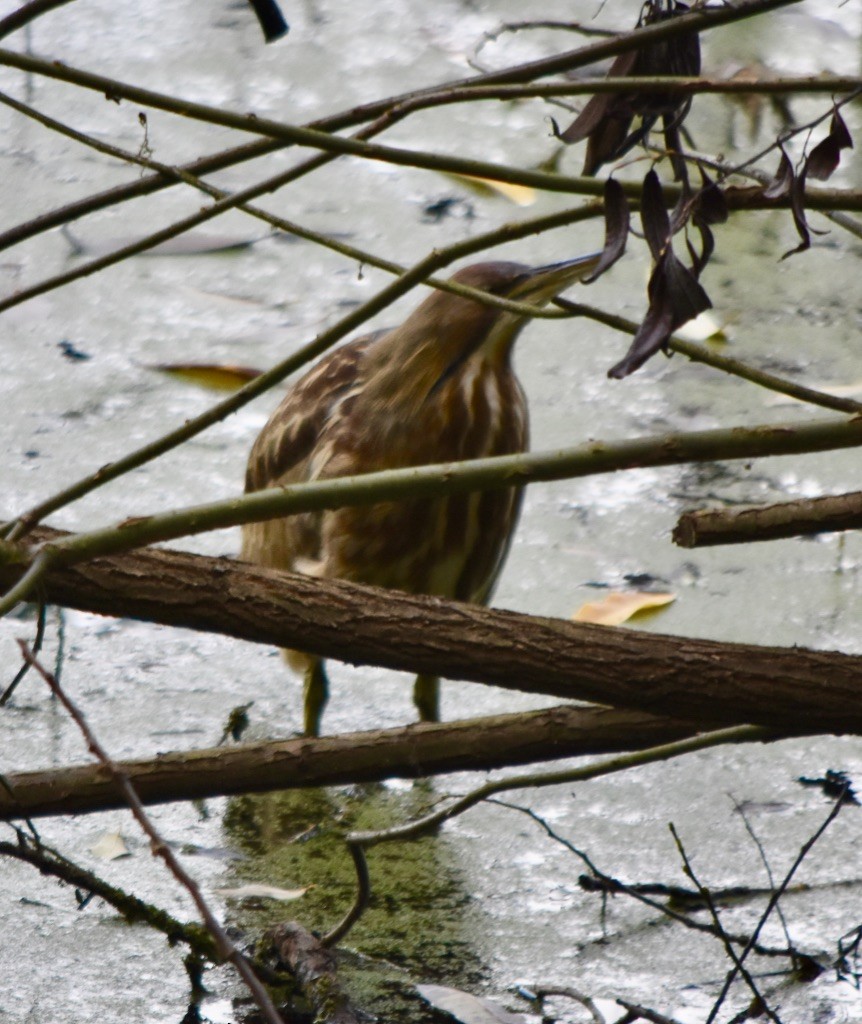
(706, 896)
(701, 354)
(159, 848)
(773, 901)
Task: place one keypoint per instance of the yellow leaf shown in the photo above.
(225, 377)
(617, 607)
(520, 195)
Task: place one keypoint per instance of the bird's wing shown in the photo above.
(286, 444)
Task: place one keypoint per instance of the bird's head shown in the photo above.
(447, 329)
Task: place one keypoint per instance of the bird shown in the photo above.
(438, 388)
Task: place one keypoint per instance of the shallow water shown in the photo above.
(147, 688)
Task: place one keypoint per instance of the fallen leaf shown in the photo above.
(271, 892)
(192, 243)
(111, 846)
(704, 327)
(618, 607)
(467, 1008)
(215, 376)
(520, 195)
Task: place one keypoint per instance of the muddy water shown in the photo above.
(508, 907)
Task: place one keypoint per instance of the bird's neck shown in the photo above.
(408, 365)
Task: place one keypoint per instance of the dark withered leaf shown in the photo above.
(675, 297)
(783, 179)
(711, 204)
(606, 119)
(826, 155)
(598, 106)
(797, 208)
(616, 228)
(654, 216)
(270, 18)
(653, 332)
(686, 295)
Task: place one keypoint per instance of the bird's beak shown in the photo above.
(541, 284)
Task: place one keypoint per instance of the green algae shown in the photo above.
(419, 924)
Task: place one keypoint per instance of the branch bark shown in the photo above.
(411, 752)
(805, 517)
(702, 681)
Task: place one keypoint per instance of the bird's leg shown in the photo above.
(315, 694)
(426, 697)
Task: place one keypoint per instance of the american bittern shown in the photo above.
(439, 388)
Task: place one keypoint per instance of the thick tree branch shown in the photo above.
(803, 517)
(411, 752)
(703, 681)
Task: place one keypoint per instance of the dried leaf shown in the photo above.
(783, 180)
(710, 204)
(520, 195)
(675, 298)
(654, 216)
(616, 228)
(271, 892)
(826, 155)
(467, 1008)
(597, 108)
(270, 18)
(216, 377)
(606, 119)
(797, 208)
(111, 846)
(192, 243)
(618, 607)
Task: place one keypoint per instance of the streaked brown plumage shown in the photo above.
(439, 388)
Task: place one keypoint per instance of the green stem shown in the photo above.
(450, 478)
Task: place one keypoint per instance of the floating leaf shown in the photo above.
(826, 155)
(704, 327)
(270, 892)
(520, 195)
(619, 607)
(111, 846)
(217, 377)
(467, 1008)
(192, 243)
(616, 228)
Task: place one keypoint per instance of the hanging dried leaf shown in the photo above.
(270, 18)
(618, 607)
(675, 297)
(607, 118)
(654, 216)
(826, 155)
(600, 107)
(616, 228)
(710, 204)
(782, 182)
